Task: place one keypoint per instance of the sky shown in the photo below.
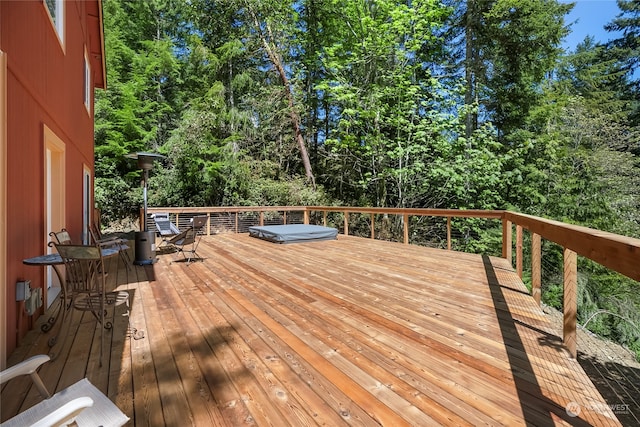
(591, 16)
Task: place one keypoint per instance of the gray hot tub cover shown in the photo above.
(291, 233)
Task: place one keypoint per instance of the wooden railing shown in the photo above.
(616, 252)
(404, 214)
(234, 219)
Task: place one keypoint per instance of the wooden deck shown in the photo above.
(346, 332)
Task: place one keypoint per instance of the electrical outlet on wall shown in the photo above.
(34, 302)
(23, 290)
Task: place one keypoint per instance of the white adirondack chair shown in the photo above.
(81, 402)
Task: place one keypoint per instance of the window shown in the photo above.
(87, 83)
(56, 13)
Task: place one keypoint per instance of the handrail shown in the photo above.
(219, 209)
(619, 253)
(459, 213)
(616, 252)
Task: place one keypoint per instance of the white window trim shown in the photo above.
(54, 178)
(58, 23)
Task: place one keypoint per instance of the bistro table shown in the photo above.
(55, 260)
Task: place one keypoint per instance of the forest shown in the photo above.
(457, 104)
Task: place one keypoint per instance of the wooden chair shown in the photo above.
(80, 404)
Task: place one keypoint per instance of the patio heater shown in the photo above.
(145, 243)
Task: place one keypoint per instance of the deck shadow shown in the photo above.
(74, 356)
(528, 391)
(618, 384)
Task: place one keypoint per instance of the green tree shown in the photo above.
(270, 26)
(382, 98)
(504, 50)
(138, 110)
(524, 46)
(625, 50)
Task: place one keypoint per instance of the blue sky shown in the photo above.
(591, 16)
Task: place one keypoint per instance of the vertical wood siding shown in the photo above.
(44, 88)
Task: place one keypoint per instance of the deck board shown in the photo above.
(346, 332)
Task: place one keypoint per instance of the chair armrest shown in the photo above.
(26, 367)
(65, 414)
(116, 242)
(110, 239)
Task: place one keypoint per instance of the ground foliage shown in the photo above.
(453, 104)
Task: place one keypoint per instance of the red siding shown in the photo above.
(44, 87)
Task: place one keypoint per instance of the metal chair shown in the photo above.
(86, 284)
(188, 240)
(165, 228)
(80, 404)
(61, 237)
(111, 242)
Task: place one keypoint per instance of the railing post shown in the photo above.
(284, 216)
(324, 218)
(406, 228)
(373, 229)
(261, 220)
(346, 223)
(570, 301)
(506, 240)
(305, 214)
(236, 222)
(449, 233)
(519, 250)
(536, 267)
(208, 223)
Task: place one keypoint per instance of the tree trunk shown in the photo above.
(295, 118)
(470, 64)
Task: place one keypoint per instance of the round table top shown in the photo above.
(49, 259)
(55, 259)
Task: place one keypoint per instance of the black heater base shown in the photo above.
(145, 246)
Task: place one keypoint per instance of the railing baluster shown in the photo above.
(346, 223)
(507, 240)
(405, 219)
(519, 250)
(449, 233)
(373, 228)
(570, 301)
(536, 267)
